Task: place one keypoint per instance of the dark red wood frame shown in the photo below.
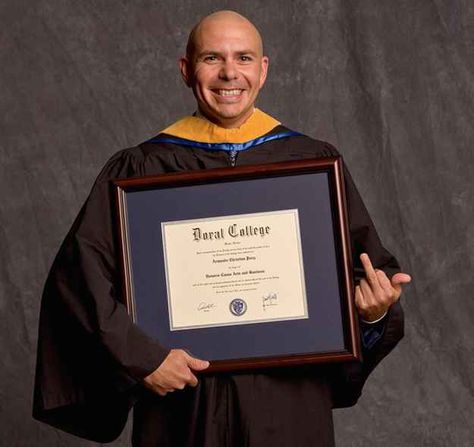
(333, 165)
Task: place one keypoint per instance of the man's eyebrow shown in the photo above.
(252, 52)
(208, 52)
(219, 53)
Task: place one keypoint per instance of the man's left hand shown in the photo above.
(376, 293)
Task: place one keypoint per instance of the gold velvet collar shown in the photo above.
(199, 129)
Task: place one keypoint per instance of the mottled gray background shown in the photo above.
(389, 83)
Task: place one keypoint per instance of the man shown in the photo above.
(93, 363)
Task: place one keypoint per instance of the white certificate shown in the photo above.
(230, 270)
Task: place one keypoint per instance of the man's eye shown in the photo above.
(210, 58)
(245, 58)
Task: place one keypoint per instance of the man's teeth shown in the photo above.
(230, 92)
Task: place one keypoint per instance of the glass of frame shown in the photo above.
(247, 267)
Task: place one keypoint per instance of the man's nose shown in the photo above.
(228, 71)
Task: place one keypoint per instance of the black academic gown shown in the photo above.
(91, 357)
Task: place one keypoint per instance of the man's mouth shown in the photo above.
(229, 92)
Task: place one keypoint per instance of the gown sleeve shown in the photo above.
(349, 379)
(90, 354)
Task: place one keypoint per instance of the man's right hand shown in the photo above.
(175, 372)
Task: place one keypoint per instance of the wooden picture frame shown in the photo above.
(328, 332)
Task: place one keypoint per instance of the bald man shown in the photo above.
(225, 67)
(94, 363)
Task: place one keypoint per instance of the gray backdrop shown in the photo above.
(389, 83)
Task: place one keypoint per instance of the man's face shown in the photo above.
(226, 71)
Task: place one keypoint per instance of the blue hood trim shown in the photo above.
(231, 147)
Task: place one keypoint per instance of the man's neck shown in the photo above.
(199, 114)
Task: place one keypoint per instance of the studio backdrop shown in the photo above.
(390, 84)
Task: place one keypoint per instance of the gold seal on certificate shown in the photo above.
(230, 270)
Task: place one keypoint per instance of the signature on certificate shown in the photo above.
(205, 307)
(269, 300)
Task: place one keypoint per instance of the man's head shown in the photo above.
(225, 67)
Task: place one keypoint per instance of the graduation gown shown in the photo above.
(92, 358)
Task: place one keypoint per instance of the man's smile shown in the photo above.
(228, 92)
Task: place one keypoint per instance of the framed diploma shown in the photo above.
(247, 267)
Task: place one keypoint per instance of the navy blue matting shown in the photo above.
(309, 193)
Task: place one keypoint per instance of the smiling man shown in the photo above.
(94, 363)
(225, 67)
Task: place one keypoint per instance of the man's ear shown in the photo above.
(185, 68)
(264, 70)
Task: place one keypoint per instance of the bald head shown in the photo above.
(223, 20)
(225, 67)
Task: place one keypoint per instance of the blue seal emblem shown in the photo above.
(238, 307)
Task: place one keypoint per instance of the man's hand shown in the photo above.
(175, 372)
(376, 293)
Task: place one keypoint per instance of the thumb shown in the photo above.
(197, 364)
(398, 279)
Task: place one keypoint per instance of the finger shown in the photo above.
(192, 380)
(384, 282)
(397, 280)
(167, 390)
(367, 264)
(370, 271)
(359, 299)
(196, 364)
(400, 278)
(160, 390)
(367, 293)
(391, 294)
